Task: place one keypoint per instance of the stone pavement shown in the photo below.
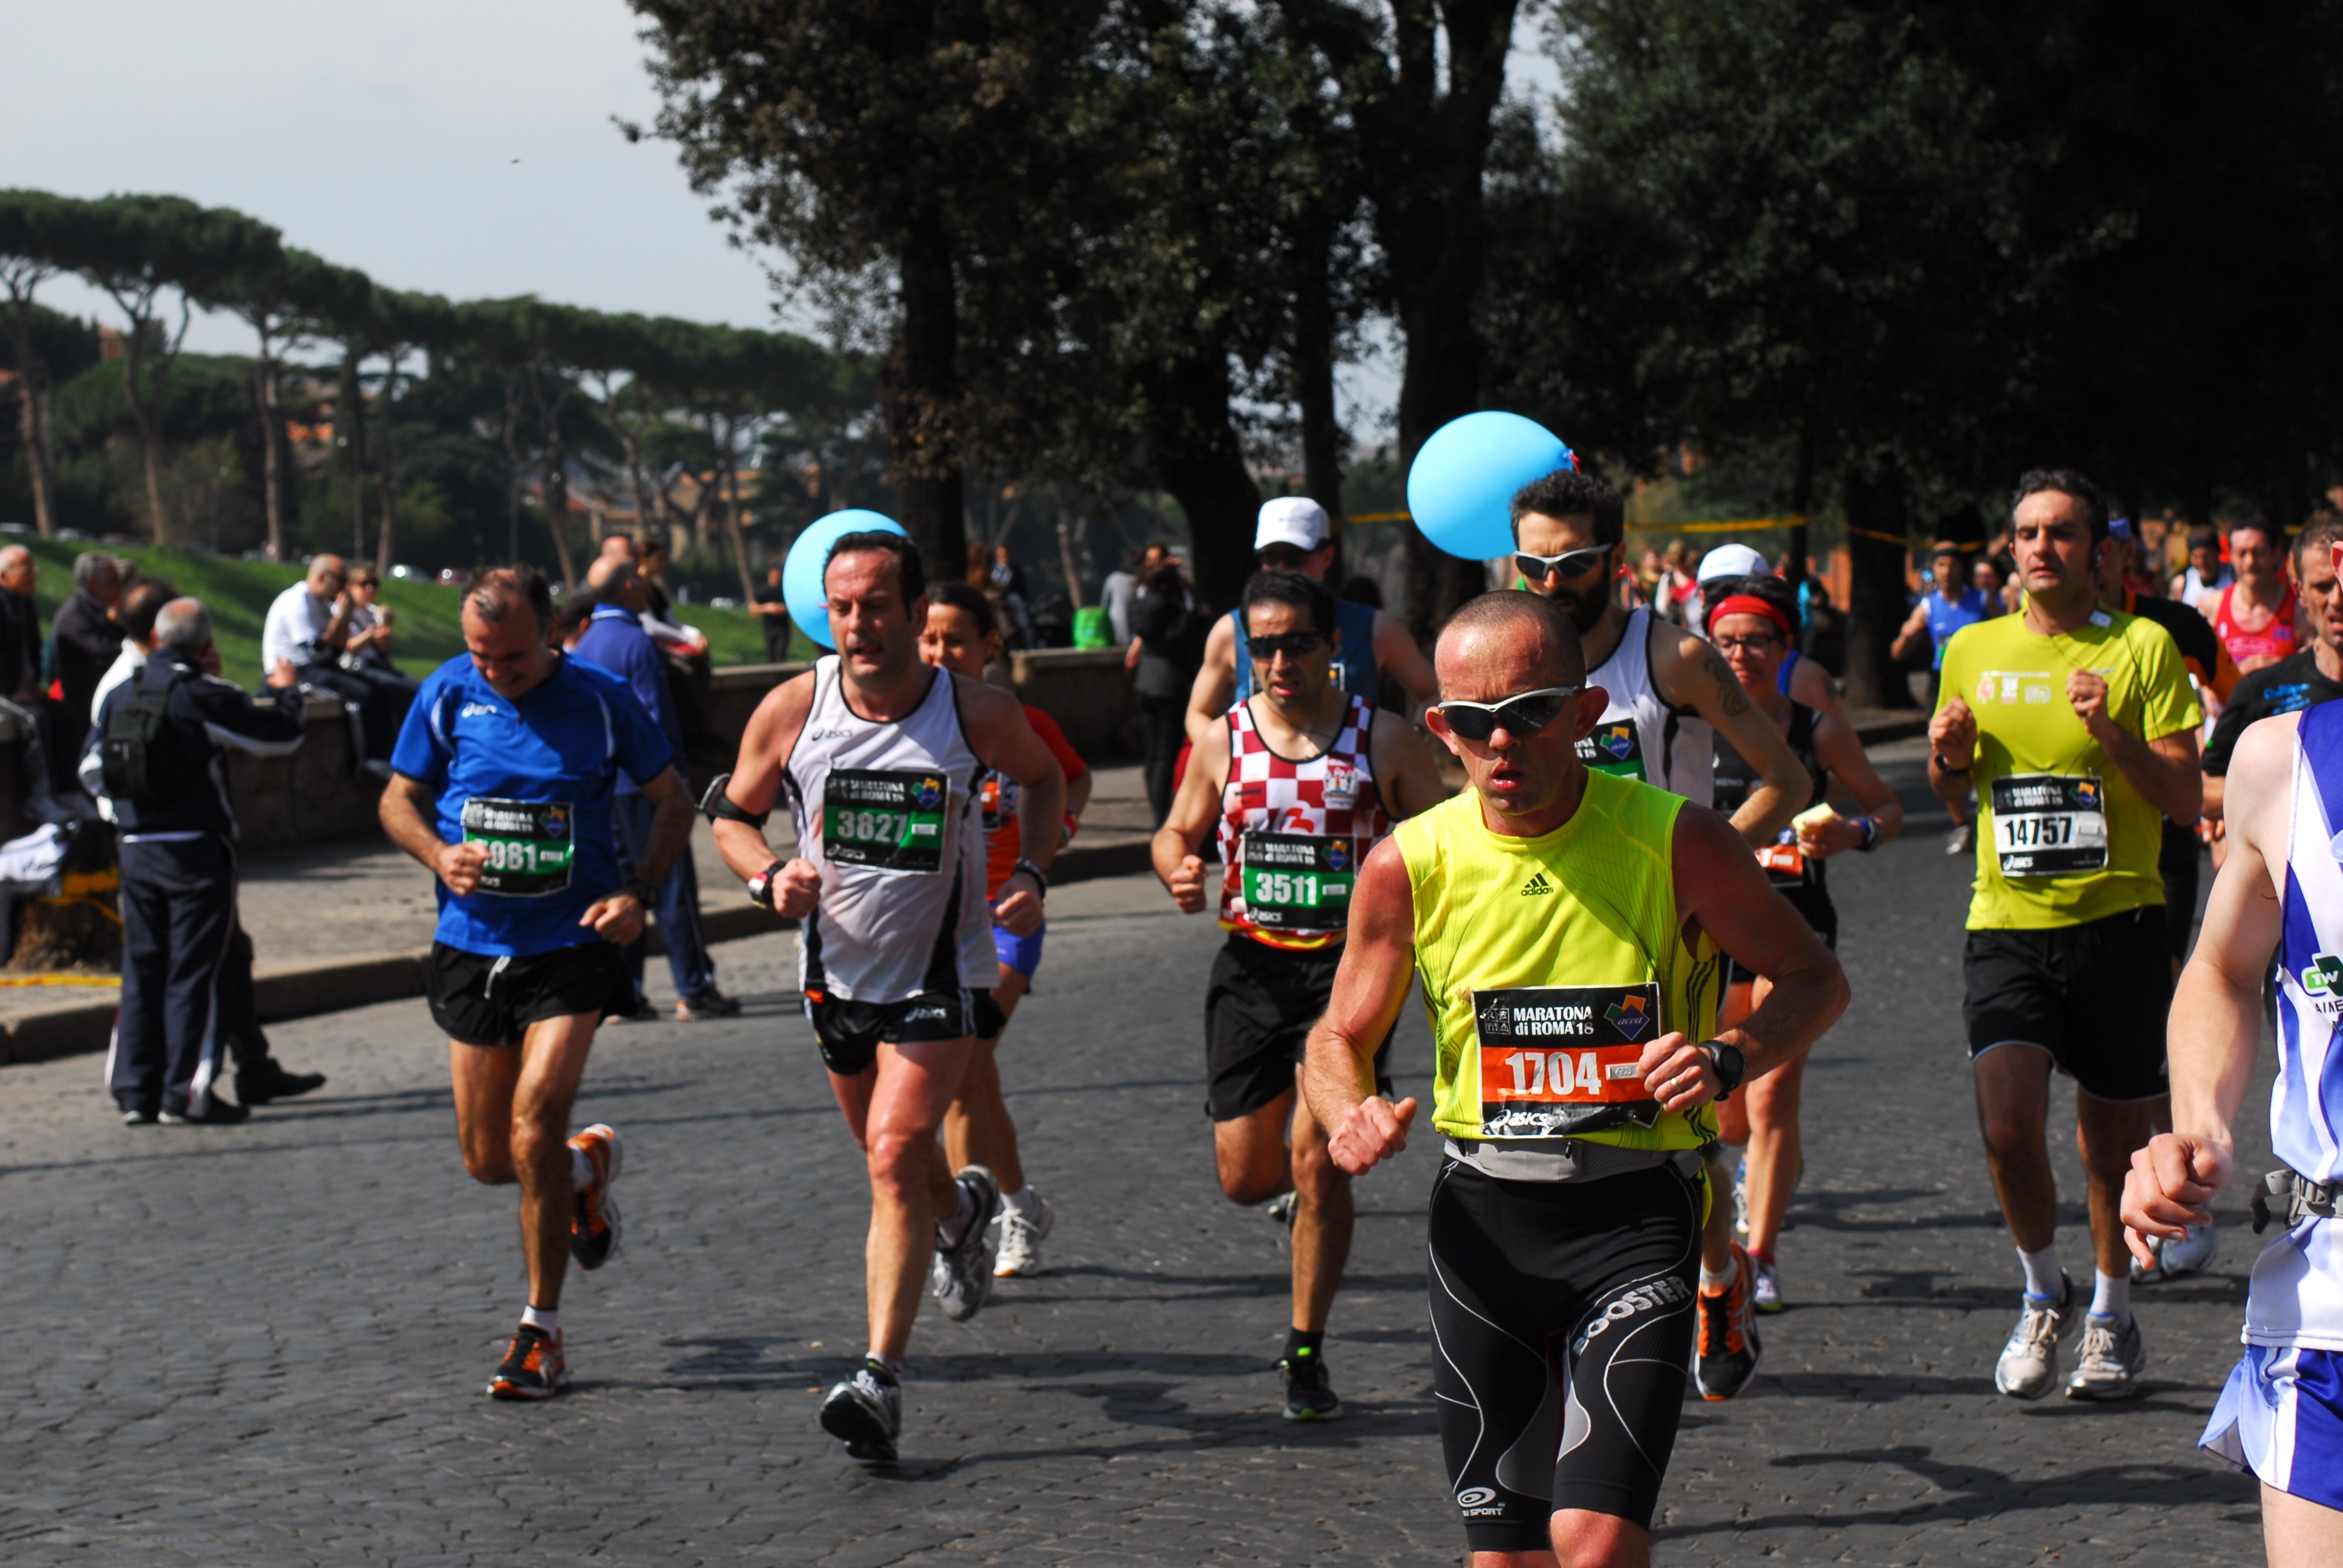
(266, 1344)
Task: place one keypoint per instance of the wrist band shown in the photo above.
(1040, 877)
(644, 893)
(1945, 767)
(1870, 835)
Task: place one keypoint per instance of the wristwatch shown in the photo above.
(761, 886)
(1727, 1060)
(1040, 877)
(644, 893)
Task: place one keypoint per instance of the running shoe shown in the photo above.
(1960, 841)
(1308, 1395)
(266, 1080)
(1018, 1250)
(594, 1227)
(865, 1411)
(533, 1368)
(710, 1003)
(961, 1275)
(2110, 1361)
(137, 1116)
(1280, 1209)
(2028, 1367)
(1728, 1352)
(216, 1112)
(1741, 1200)
(1766, 1291)
(2192, 1254)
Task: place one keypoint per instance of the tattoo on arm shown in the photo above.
(1730, 698)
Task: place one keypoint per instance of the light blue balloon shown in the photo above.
(801, 572)
(1460, 486)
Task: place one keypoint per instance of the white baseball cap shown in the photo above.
(1295, 520)
(1732, 561)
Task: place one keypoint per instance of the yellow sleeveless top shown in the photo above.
(1548, 964)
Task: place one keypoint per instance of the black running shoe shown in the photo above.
(710, 1003)
(532, 1367)
(1308, 1395)
(865, 1413)
(216, 1112)
(267, 1081)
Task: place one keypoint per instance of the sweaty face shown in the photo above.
(1514, 775)
(1288, 677)
(2053, 544)
(1584, 598)
(950, 641)
(2254, 556)
(2321, 602)
(876, 632)
(1752, 646)
(511, 654)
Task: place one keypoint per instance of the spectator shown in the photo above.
(20, 627)
(1167, 648)
(576, 609)
(615, 639)
(1007, 581)
(2207, 574)
(140, 606)
(1985, 575)
(1116, 593)
(771, 609)
(369, 639)
(169, 791)
(84, 641)
(651, 561)
(308, 627)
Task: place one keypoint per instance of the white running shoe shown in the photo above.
(1741, 1200)
(961, 1275)
(1765, 1285)
(2028, 1367)
(1022, 1232)
(2192, 1254)
(1960, 841)
(865, 1411)
(2111, 1361)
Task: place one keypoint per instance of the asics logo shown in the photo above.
(1539, 883)
(830, 734)
(924, 1015)
(1662, 1292)
(477, 711)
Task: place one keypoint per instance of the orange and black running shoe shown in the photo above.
(533, 1368)
(593, 1228)
(1726, 1358)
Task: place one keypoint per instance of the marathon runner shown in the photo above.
(2083, 730)
(963, 635)
(2207, 575)
(1937, 617)
(1301, 779)
(880, 758)
(1293, 534)
(501, 783)
(2254, 617)
(1670, 695)
(1566, 925)
(2279, 894)
(2300, 680)
(1750, 622)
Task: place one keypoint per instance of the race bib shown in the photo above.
(1616, 746)
(1560, 1060)
(2048, 823)
(531, 844)
(889, 820)
(997, 800)
(1784, 862)
(1298, 881)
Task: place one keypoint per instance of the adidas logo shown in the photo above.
(1535, 885)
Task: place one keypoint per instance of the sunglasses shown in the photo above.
(1521, 716)
(1293, 644)
(1569, 564)
(1283, 558)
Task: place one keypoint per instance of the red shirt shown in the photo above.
(2275, 640)
(1003, 838)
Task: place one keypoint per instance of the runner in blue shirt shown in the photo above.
(501, 783)
(1954, 605)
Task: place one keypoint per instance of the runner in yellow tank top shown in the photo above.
(1567, 927)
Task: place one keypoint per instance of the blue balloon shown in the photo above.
(1460, 486)
(801, 572)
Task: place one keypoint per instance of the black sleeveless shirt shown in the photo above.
(1799, 878)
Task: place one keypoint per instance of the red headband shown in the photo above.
(1750, 604)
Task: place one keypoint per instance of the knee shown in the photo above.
(899, 1162)
(1317, 1180)
(488, 1166)
(1250, 1187)
(537, 1145)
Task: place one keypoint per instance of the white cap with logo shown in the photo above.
(1292, 520)
(1732, 561)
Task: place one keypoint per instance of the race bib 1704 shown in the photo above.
(1562, 1060)
(1298, 881)
(890, 820)
(2048, 823)
(531, 844)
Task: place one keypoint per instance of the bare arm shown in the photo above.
(1338, 1074)
(408, 811)
(1077, 792)
(755, 787)
(1688, 672)
(1915, 627)
(619, 916)
(1216, 680)
(1952, 739)
(1404, 772)
(1841, 751)
(1397, 655)
(1193, 811)
(1815, 686)
(2164, 770)
(1004, 741)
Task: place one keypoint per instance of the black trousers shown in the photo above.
(382, 696)
(1162, 726)
(178, 922)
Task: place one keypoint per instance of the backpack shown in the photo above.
(141, 754)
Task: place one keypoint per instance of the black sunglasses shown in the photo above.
(1293, 644)
(1569, 564)
(1521, 716)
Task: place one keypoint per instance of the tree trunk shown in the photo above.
(554, 472)
(1322, 437)
(920, 388)
(1073, 520)
(32, 417)
(732, 514)
(514, 470)
(349, 399)
(1201, 463)
(1875, 501)
(386, 480)
(150, 431)
(272, 441)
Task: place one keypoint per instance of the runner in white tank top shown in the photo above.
(879, 755)
(1641, 735)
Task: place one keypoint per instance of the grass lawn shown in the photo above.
(238, 593)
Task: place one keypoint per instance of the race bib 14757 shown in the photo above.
(1560, 1060)
(2048, 823)
(888, 818)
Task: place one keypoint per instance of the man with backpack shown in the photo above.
(156, 751)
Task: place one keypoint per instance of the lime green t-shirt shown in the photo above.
(2062, 836)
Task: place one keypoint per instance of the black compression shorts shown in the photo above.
(1562, 1322)
(2176, 862)
(2094, 995)
(848, 1032)
(491, 998)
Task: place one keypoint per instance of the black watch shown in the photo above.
(1040, 877)
(1727, 1060)
(761, 886)
(645, 894)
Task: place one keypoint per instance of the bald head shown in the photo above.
(618, 547)
(1521, 633)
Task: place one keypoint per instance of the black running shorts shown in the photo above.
(850, 1031)
(990, 1019)
(2094, 995)
(490, 1000)
(1259, 1009)
(1561, 1327)
(2176, 863)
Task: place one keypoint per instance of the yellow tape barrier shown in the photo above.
(60, 980)
(1725, 528)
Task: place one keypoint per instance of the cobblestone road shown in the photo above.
(264, 1344)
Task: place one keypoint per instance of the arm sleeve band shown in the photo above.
(716, 805)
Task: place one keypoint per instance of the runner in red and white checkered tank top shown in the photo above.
(1293, 833)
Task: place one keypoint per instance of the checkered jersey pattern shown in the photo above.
(1332, 794)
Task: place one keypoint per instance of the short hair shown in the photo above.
(323, 556)
(1299, 589)
(1509, 607)
(143, 603)
(363, 573)
(2072, 484)
(2268, 530)
(574, 611)
(91, 565)
(183, 626)
(1943, 547)
(1774, 590)
(910, 576)
(608, 579)
(1570, 493)
(971, 601)
(492, 590)
(2320, 530)
(2201, 537)
(1361, 588)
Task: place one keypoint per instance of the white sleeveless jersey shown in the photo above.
(888, 813)
(2296, 1297)
(1640, 736)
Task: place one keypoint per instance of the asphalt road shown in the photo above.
(266, 1344)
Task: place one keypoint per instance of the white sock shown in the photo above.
(894, 1364)
(545, 1318)
(954, 1231)
(1025, 1201)
(1721, 1280)
(2111, 1297)
(581, 1169)
(2044, 1281)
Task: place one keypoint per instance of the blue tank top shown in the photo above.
(1948, 617)
(1354, 661)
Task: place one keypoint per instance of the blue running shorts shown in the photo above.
(2280, 1416)
(1022, 954)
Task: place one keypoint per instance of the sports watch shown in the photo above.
(1727, 1060)
(761, 886)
